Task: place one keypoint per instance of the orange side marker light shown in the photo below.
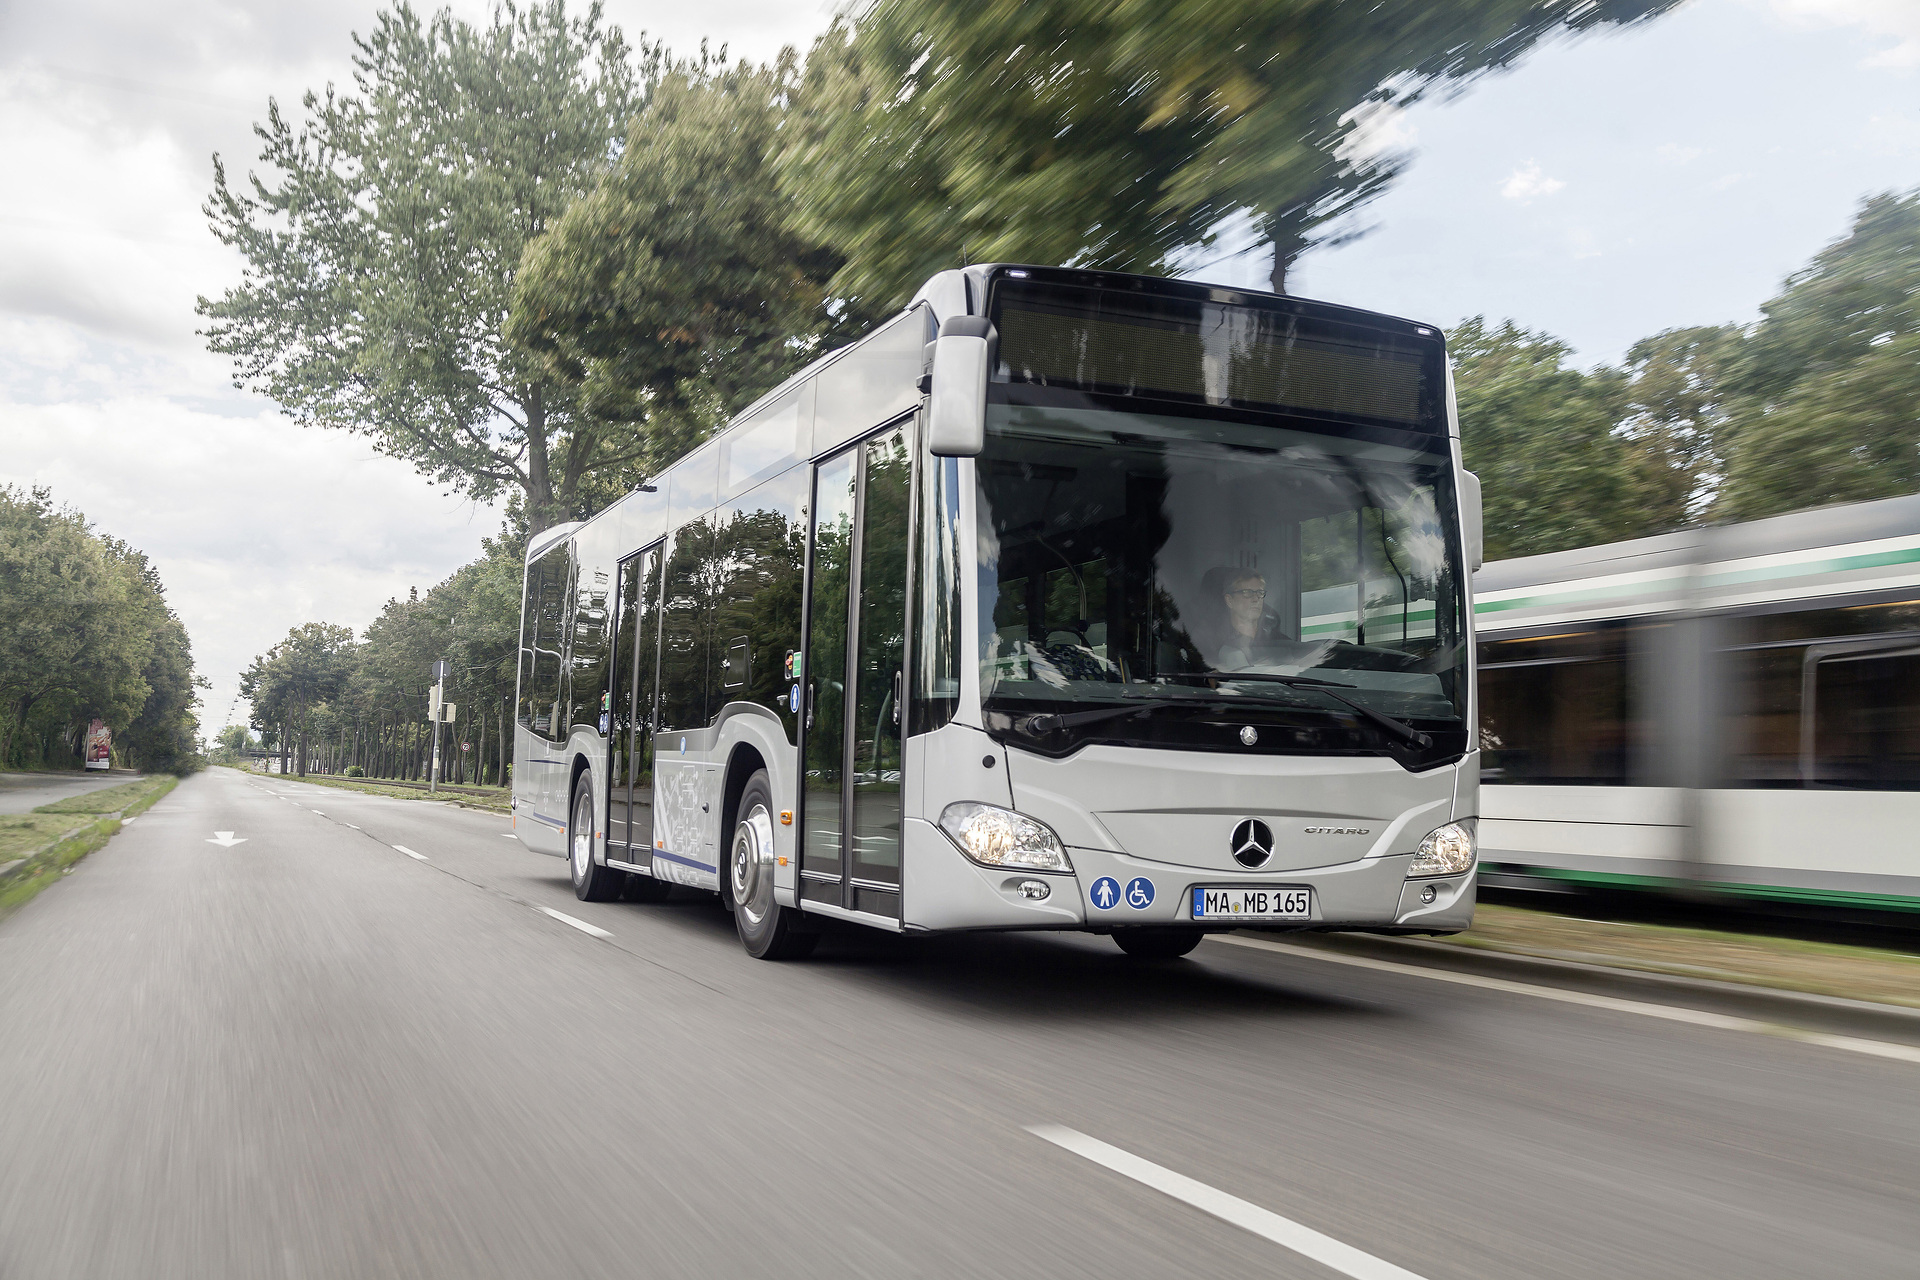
(786, 817)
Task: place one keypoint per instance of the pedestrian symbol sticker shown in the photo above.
(1139, 893)
(1106, 893)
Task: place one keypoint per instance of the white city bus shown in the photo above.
(1063, 600)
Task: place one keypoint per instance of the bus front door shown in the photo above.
(856, 645)
(630, 735)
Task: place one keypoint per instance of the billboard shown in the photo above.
(99, 745)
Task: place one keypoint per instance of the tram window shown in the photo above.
(1826, 698)
(1555, 710)
(1866, 719)
(588, 655)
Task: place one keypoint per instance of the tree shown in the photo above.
(382, 257)
(677, 291)
(298, 676)
(1541, 436)
(77, 615)
(1115, 134)
(1678, 398)
(1828, 406)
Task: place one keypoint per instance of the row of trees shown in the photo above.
(537, 261)
(1818, 402)
(326, 700)
(85, 633)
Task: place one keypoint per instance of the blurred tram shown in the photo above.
(1736, 707)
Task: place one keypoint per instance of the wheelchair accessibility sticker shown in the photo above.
(1139, 893)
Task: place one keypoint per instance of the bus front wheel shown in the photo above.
(591, 881)
(768, 930)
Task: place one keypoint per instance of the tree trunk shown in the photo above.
(541, 508)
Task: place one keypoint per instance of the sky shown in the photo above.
(1609, 188)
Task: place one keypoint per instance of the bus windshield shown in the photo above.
(1130, 557)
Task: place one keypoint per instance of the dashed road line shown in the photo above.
(581, 925)
(1285, 1232)
(1644, 1008)
(411, 854)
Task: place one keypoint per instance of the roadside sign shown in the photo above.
(441, 668)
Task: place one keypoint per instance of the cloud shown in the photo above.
(1379, 130)
(1675, 154)
(1895, 20)
(110, 112)
(1529, 183)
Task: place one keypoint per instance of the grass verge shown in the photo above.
(85, 833)
(373, 787)
(1789, 964)
(105, 800)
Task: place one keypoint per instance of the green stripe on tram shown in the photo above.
(1766, 892)
(1838, 564)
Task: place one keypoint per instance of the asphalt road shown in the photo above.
(310, 1055)
(24, 792)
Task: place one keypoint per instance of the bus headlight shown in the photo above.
(996, 837)
(1447, 851)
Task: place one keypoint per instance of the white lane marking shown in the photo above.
(509, 835)
(1671, 1013)
(317, 811)
(581, 925)
(125, 821)
(349, 826)
(226, 840)
(411, 854)
(1285, 1232)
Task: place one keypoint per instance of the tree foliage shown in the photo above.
(1817, 403)
(85, 632)
(1827, 408)
(381, 253)
(1541, 436)
(1117, 134)
(677, 290)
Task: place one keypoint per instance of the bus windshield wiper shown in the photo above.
(1398, 728)
(1049, 721)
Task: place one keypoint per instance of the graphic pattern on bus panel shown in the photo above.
(826, 664)
(881, 640)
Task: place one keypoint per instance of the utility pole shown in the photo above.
(433, 714)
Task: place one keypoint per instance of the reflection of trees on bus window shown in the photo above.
(543, 643)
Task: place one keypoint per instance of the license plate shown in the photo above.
(1252, 904)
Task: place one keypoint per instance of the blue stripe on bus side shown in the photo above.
(552, 822)
(685, 862)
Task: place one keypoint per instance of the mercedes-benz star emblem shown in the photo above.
(1248, 735)
(1252, 842)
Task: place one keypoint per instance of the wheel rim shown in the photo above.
(582, 834)
(750, 866)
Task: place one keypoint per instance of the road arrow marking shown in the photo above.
(226, 839)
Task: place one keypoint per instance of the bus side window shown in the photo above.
(543, 643)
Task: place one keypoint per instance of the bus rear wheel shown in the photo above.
(591, 881)
(768, 930)
(1144, 942)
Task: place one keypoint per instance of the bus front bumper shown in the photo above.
(942, 889)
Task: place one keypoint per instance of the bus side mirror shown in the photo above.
(962, 359)
(1472, 525)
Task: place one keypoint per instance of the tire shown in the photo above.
(1144, 942)
(591, 881)
(768, 930)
